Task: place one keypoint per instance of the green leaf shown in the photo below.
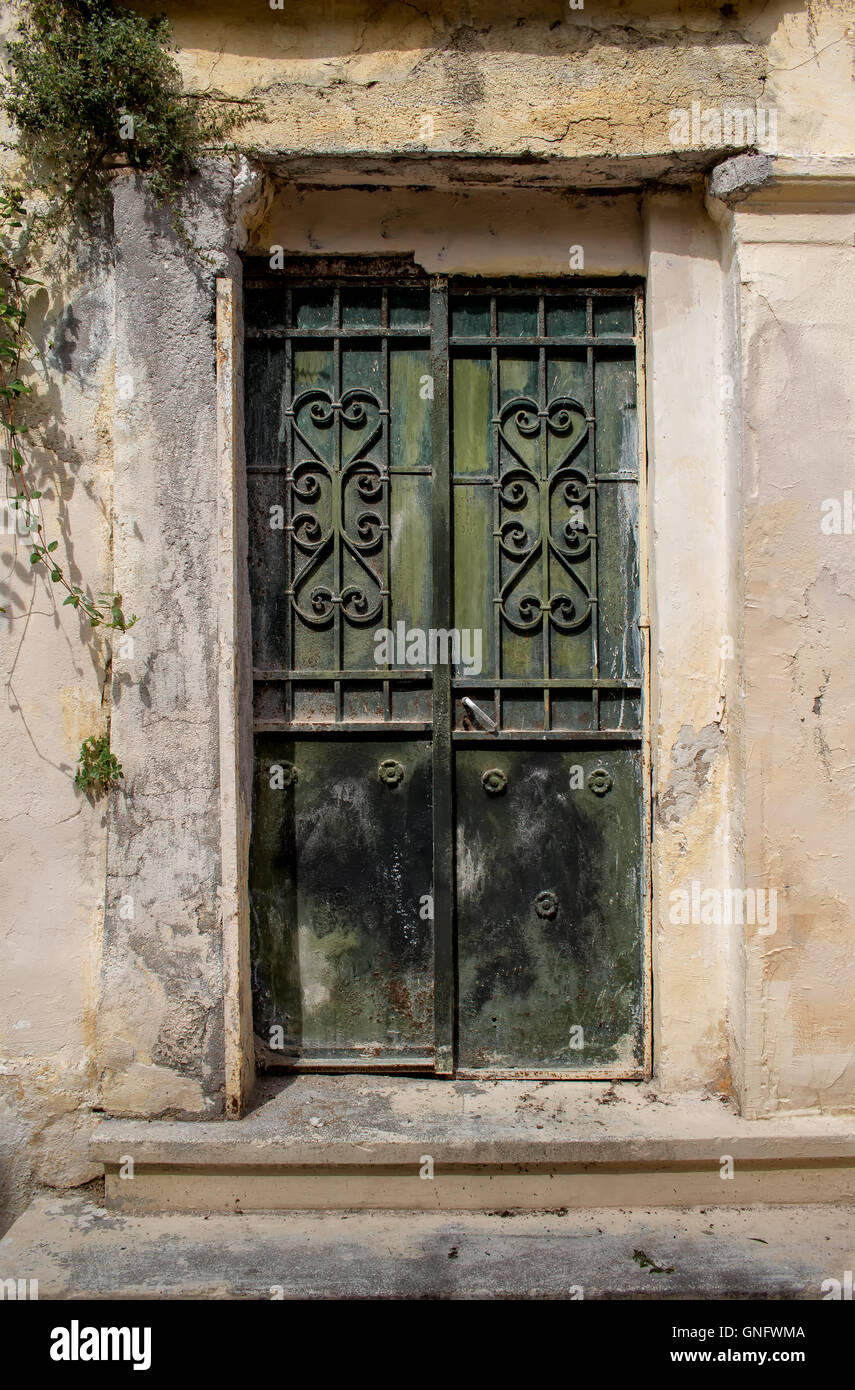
(53, 545)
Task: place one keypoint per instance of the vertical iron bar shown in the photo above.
(595, 556)
(545, 511)
(386, 421)
(497, 508)
(443, 843)
(290, 567)
(337, 501)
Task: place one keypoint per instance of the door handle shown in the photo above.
(481, 715)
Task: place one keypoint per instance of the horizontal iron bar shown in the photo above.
(390, 472)
(490, 479)
(548, 1074)
(498, 601)
(353, 1064)
(347, 726)
(505, 340)
(483, 682)
(525, 287)
(547, 736)
(310, 269)
(380, 673)
(301, 270)
(541, 682)
(280, 334)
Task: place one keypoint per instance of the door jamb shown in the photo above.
(234, 710)
(234, 701)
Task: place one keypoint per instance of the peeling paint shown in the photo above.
(692, 758)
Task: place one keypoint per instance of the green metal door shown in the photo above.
(448, 862)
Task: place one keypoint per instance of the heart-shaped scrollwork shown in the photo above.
(543, 520)
(332, 530)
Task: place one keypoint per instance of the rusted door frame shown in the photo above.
(442, 725)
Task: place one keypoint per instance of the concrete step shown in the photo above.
(77, 1249)
(356, 1143)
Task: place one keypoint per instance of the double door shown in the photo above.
(448, 863)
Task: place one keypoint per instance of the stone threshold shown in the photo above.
(78, 1250)
(317, 1142)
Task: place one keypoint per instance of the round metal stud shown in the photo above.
(599, 781)
(494, 781)
(546, 905)
(390, 772)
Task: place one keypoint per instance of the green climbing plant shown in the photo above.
(91, 86)
(17, 351)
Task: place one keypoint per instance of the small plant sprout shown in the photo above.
(98, 769)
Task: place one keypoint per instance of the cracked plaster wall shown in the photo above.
(52, 849)
(796, 269)
(538, 77)
(340, 84)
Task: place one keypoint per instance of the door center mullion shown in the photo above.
(443, 830)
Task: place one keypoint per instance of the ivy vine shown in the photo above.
(22, 498)
(90, 87)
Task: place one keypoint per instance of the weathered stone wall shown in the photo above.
(56, 693)
(476, 98)
(540, 78)
(794, 261)
(160, 1024)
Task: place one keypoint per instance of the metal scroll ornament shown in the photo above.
(543, 528)
(338, 507)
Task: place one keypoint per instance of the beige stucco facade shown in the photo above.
(483, 141)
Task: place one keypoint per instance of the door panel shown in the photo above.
(549, 850)
(548, 930)
(340, 507)
(341, 873)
